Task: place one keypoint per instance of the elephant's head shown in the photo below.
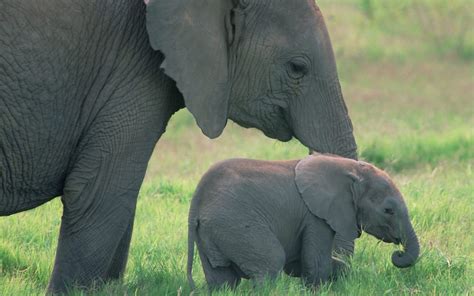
(265, 64)
(352, 196)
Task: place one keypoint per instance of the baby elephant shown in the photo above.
(252, 219)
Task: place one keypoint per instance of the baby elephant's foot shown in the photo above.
(314, 283)
(258, 281)
(317, 277)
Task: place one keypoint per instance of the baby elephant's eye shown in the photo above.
(388, 211)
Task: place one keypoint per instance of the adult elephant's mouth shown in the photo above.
(281, 128)
(277, 125)
(274, 124)
(283, 137)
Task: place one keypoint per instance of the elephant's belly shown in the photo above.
(32, 168)
(25, 185)
(23, 188)
(16, 202)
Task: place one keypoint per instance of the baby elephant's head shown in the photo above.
(353, 196)
(381, 212)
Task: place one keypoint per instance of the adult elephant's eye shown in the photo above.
(297, 69)
(388, 211)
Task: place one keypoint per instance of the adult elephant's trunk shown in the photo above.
(319, 117)
(411, 247)
(325, 126)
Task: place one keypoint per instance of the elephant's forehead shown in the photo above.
(290, 22)
(294, 14)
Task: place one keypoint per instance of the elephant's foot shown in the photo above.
(93, 256)
(119, 261)
(81, 263)
(339, 267)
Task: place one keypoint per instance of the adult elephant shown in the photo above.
(84, 98)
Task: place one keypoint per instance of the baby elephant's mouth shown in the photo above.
(391, 239)
(387, 235)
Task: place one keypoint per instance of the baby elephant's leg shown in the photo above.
(256, 252)
(316, 253)
(339, 267)
(293, 268)
(217, 277)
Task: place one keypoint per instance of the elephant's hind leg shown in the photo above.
(256, 252)
(217, 277)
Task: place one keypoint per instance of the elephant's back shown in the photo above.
(248, 186)
(54, 53)
(61, 62)
(237, 176)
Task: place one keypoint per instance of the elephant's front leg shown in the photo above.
(343, 250)
(316, 253)
(99, 207)
(343, 246)
(119, 261)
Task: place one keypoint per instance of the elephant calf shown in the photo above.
(252, 219)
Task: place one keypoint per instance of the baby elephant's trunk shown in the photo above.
(409, 255)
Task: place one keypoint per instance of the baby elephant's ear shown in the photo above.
(325, 184)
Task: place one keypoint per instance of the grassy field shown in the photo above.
(410, 93)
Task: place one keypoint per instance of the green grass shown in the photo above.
(414, 150)
(404, 28)
(440, 202)
(413, 113)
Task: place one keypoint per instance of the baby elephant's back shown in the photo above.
(237, 189)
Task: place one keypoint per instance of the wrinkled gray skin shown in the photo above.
(87, 88)
(252, 219)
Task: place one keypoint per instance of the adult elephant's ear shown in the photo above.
(325, 184)
(192, 36)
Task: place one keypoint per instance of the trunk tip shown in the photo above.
(403, 259)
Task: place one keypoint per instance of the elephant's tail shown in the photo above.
(192, 234)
